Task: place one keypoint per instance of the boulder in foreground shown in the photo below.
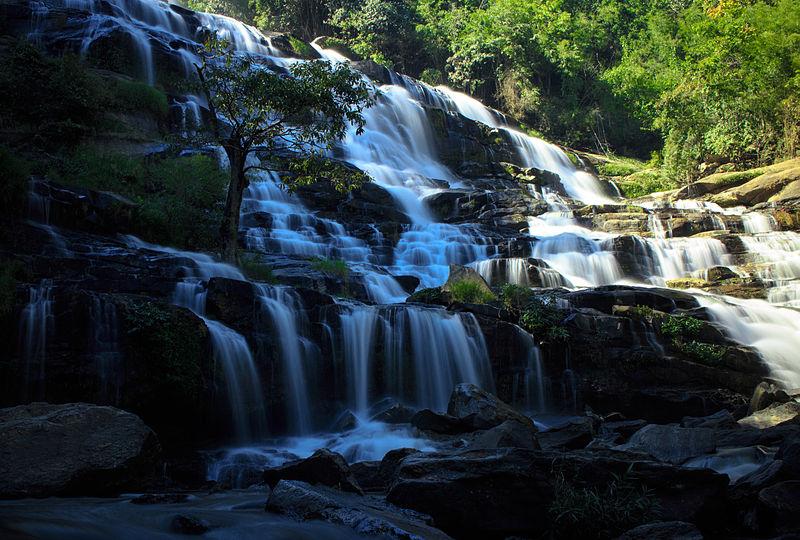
(73, 449)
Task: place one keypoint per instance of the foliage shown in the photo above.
(336, 267)
(469, 292)
(681, 329)
(514, 297)
(10, 271)
(591, 512)
(302, 113)
(14, 172)
(178, 197)
(255, 270)
(645, 182)
(64, 101)
(682, 326)
(542, 318)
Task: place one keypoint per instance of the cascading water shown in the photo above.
(283, 308)
(36, 325)
(104, 347)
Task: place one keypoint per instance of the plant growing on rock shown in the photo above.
(542, 318)
(470, 292)
(302, 114)
(591, 512)
(682, 329)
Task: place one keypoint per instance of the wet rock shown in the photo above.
(397, 413)
(461, 274)
(509, 434)
(672, 444)
(346, 421)
(428, 420)
(664, 530)
(777, 507)
(789, 455)
(773, 415)
(766, 394)
(183, 524)
(478, 494)
(721, 419)
(73, 449)
(160, 498)
(231, 301)
(480, 409)
(624, 428)
(322, 467)
(302, 502)
(366, 474)
(574, 435)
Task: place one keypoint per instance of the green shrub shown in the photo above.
(10, 270)
(705, 353)
(14, 173)
(179, 197)
(470, 292)
(544, 319)
(514, 297)
(300, 47)
(682, 326)
(255, 270)
(336, 267)
(618, 168)
(645, 182)
(137, 97)
(590, 512)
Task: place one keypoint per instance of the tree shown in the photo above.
(300, 114)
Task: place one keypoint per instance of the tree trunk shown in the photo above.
(229, 229)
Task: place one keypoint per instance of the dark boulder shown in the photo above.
(576, 434)
(767, 394)
(477, 494)
(444, 424)
(663, 530)
(480, 409)
(74, 449)
(673, 444)
(777, 507)
(183, 524)
(322, 467)
(509, 434)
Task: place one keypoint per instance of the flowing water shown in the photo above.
(384, 348)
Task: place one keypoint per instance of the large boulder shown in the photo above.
(322, 467)
(672, 444)
(777, 507)
(302, 502)
(663, 530)
(509, 434)
(480, 409)
(478, 494)
(74, 449)
(773, 415)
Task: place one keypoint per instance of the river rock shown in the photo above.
(73, 449)
(509, 434)
(672, 444)
(574, 435)
(480, 409)
(663, 530)
(777, 508)
(721, 419)
(476, 494)
(302, 502)
(322, 467)
(773, 415)
(765, 394)
(190, 525)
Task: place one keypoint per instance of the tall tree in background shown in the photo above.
(302, 113)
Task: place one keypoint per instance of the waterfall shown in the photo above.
(104, 347)
(245, 395)
(36, 325)
(283, 308)
(359, 325)
(773, 332)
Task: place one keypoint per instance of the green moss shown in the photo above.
(166, 346)
(434, 295)
(682, 326)
(470, 292)
(514, 297)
